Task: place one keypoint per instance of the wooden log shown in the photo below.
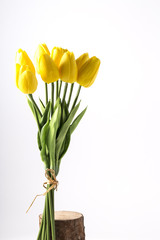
(68, 225)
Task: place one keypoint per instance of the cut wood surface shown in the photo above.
(69, 225)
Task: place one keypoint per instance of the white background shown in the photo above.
(111, 170)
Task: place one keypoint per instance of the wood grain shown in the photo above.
(68, 225)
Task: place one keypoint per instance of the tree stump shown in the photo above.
(68, 225)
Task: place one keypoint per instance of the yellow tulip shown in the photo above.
(19, 70)
(25, 79)
(42, 49)
(48, 69)
(56, 54)
(68, 68)
(23, 59)
(81, 60)
(25, 73)
(27, 82)
(88, 72)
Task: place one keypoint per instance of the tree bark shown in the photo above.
(68, 225)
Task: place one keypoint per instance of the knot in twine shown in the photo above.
(51, 181)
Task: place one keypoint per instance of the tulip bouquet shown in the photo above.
(56, 117)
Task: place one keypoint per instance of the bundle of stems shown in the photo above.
(56, 122)
(55, 118)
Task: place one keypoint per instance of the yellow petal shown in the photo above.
(27, 82)
(19, 70)
(48, 69)
(24, 68)
(22, 58)
(42, 49)
(64, 67)
(17, 73)
(88, 72)
(81, 60)
(68, 68)
(57, 54)
(73, 69)
(44, 46)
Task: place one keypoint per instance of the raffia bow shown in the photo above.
(51, 181)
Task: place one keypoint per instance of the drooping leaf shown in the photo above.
(51, 139)
(64, 129)
(42, 106)
(77, 120)
(43, 138)
(58, 102)
(46, 114)
(65, 112)
(64, 147)
(31, 105)
(39, 141)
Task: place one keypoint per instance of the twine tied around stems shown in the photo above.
(51, 181)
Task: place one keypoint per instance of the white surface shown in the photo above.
(111, 171)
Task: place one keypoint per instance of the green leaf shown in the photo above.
(77, 120)
(65, 112)
(65, 146)
(46, 114)
(58, 102)
(43, 138)
(31, 105)
(42, 106)
(39, 141)
(63, 131)
(52, 132)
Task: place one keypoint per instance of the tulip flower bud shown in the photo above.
(88, 72)
(81, 60)
(68, 68)
(19, 70)
(27, 82)
(48, 69)
(25, 73)
(23, 59)
(57, 54)
(42, 49)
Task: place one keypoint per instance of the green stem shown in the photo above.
(45, 236)
(65, 91)
(40, 230)
(35, 104)
(60, 86)
(76, 98)
(57, 85)
(70, 94)
(43, 230)
(52, 98)
(44, 221)
(46, 92)
(48, 218)
(51, 209)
